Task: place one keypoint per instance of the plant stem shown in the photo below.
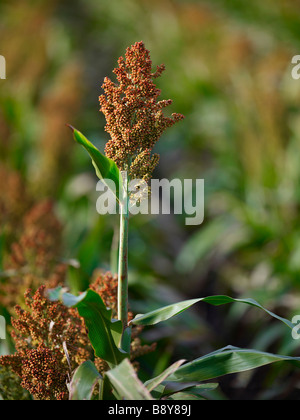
(114, 258)
(123, 257)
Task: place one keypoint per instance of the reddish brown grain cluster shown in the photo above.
(44, 334)
(51, 341)
(134, 116)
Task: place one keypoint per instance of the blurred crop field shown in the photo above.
(228, 70)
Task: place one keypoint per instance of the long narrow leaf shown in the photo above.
(192, 392)
(174, 387)
(153, 383)
(226, 361)
(169, 311)
(105, 168)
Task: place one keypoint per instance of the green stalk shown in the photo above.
(114, 251)
(123, 257)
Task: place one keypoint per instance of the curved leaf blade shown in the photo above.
(153, 383)
(105, 167)
(193, 392)
(173, 387)
(169, 311)
(227, 361)
(163, 314)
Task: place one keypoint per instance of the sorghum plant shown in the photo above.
(84, 347)
(135, 121)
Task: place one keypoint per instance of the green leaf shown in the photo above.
(126, 383)
(184, 396)
(198, 389)
(189, 389)
(153, 383)
(162, 314)
(117, 331)
(226, 361)
(105, 168)
(192, 392)
(102, 329)
(106, 390)
(84, 380)
(126, 340)
(169, 311)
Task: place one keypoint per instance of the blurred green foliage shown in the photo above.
(229, 72)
